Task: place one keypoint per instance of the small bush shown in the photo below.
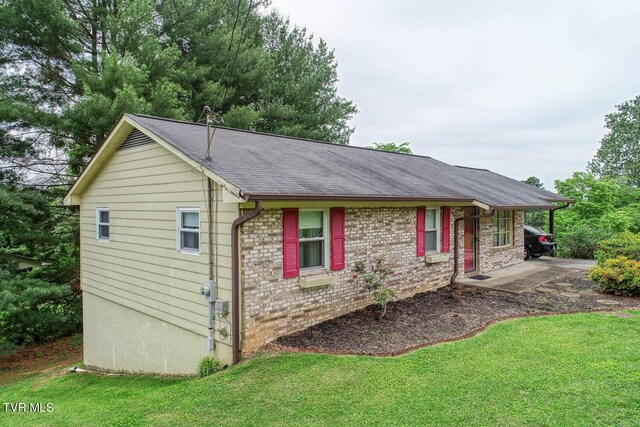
(33, 310)
(580, 242)
(620, 276)
(208, 366)
(626, 244)
(375, 280)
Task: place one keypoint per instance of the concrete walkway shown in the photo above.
(529, 274)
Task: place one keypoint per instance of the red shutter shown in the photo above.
(337, 238)
(421, 230)
(446, 229)
(290, 243)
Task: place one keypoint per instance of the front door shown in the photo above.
(470, 227)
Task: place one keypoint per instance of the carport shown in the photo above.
(526, 275)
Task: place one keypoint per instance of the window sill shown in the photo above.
(503, 246)
(183, 252)
(316, 280)
(436, 258)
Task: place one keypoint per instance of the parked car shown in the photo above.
(537, 243)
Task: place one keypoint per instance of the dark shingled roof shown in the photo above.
(272, 167)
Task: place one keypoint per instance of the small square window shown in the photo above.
(189, 230)
(102, 224)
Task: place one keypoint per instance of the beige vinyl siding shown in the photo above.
(140, 267)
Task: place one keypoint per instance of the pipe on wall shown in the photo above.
(235, 279)
(552, 220)
(210, 225)
(456, 226)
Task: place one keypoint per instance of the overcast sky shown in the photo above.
(517, 87)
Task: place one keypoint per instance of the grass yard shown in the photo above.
(581, 369)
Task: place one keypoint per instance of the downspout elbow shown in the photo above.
(562, 207)
(235, 278)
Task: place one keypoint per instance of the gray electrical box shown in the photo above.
(222, 307)
(209, 290)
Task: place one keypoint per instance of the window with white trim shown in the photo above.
(432, 228)
(189, 230)
(312, 225)
(502, 228)
(102, 224)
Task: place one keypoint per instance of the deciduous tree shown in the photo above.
(619, 152)
(405, 147)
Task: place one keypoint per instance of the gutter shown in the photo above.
(456, 226)
(235, 279)
(330, 197)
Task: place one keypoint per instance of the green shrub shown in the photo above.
(207, 366)
(626, 244)
(32, 310)
(580, 241)
(620, 276)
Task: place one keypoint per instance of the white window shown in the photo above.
(312, 226)
(433, 230)
(189, 230)
(102, 224)
(503, 228)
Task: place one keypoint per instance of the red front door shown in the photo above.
(470, 240)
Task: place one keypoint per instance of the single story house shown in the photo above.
(22, 263)
(190, 249)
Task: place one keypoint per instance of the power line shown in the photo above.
(233, 62)
(233, 31)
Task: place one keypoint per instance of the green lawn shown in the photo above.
(579, 369)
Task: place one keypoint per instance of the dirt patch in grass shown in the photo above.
(40, 358)
(446, 314)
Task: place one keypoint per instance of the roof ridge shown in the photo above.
(469, 167)
(275, 135)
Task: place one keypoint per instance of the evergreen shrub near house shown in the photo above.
(581, 241)
(618, 264)
(34, 310)
(620, 276)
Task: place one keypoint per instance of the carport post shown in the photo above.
(552, 219)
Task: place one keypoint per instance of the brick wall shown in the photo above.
(273, 306)
(493, 258)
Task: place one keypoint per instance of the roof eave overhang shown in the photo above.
(525, 207)
(354, 197)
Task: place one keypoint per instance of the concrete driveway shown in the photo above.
(529, 274)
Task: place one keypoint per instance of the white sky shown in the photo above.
(518, 87)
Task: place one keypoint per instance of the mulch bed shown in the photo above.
(447, 314)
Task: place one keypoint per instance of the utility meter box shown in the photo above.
(222, 307)
(209, 290)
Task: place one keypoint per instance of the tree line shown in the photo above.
(70, 68)
(606, 196)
